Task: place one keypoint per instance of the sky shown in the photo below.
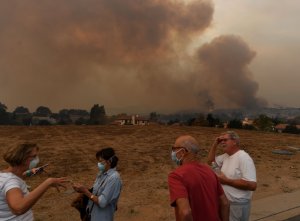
(140, 56)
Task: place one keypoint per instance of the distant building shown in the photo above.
(38, 120)
(247, 122)
(75, 117)
(225, 125)
(281, 127)
(22, 118)
(131, 120)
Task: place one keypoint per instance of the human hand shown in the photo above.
(58, 182)
(222, 178)
(218, 140)
(79, 188)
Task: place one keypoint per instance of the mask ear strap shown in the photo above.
(179, 150)
(111, 159)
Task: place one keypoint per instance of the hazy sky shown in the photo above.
(139, 56)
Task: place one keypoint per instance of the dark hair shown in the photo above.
(108, 154)
(17, 155)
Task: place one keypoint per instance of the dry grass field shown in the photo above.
(144, 153)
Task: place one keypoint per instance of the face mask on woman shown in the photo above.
(34, 162)
(101, 167)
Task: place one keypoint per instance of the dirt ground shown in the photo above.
(144, 153)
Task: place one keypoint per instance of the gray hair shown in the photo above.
(233, 135)
(191, 145)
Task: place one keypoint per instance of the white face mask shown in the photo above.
(174, 157)
(101, 167)
(34, 162)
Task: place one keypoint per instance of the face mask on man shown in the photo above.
(34, 162)
(174, 157)
(101, 167)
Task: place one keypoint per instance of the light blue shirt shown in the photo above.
(107, 188)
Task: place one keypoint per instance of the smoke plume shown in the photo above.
(225, 62)
(129, 55)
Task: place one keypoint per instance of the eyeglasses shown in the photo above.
(176, 148)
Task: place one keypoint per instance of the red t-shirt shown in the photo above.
(199, 184)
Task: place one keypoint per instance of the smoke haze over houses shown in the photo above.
(129, 55)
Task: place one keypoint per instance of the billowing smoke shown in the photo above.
(129, 55)
(225, 62)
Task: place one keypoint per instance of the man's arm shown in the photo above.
(238, 183)
(183, 210)
(212, 152)
(224, 208)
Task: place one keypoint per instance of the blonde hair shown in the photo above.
(17, 155)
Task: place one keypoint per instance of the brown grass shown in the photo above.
(144, 153)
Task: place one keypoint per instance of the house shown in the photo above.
(76, 117)
(22, 118)
(247, 121)
(131, 120)
(280, 127)
(39, 120)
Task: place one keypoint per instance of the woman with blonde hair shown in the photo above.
(15, 199)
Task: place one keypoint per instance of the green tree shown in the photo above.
(249, 127)
(21, 115)
(64, 117)
(278, 120)
(264, 123)
(294, 121)
(235, 123)
(42, 111)
(212, 121)
(153, 117)
(200, 120)
(292, 129)
(21, 110)
(97, 115)
(80, 121)
(4, 115)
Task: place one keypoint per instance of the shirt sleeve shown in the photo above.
(248, 169)
(219, 159)
(10, 184)
(176, 188)
(111, 191)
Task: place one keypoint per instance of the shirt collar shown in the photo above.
(110, 171)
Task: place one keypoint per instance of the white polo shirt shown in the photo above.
(237, 166)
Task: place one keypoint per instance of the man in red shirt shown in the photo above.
(195, 191)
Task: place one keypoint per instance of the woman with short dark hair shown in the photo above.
(15, 199)
(106, 189)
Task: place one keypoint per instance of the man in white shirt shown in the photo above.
(238, 174)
